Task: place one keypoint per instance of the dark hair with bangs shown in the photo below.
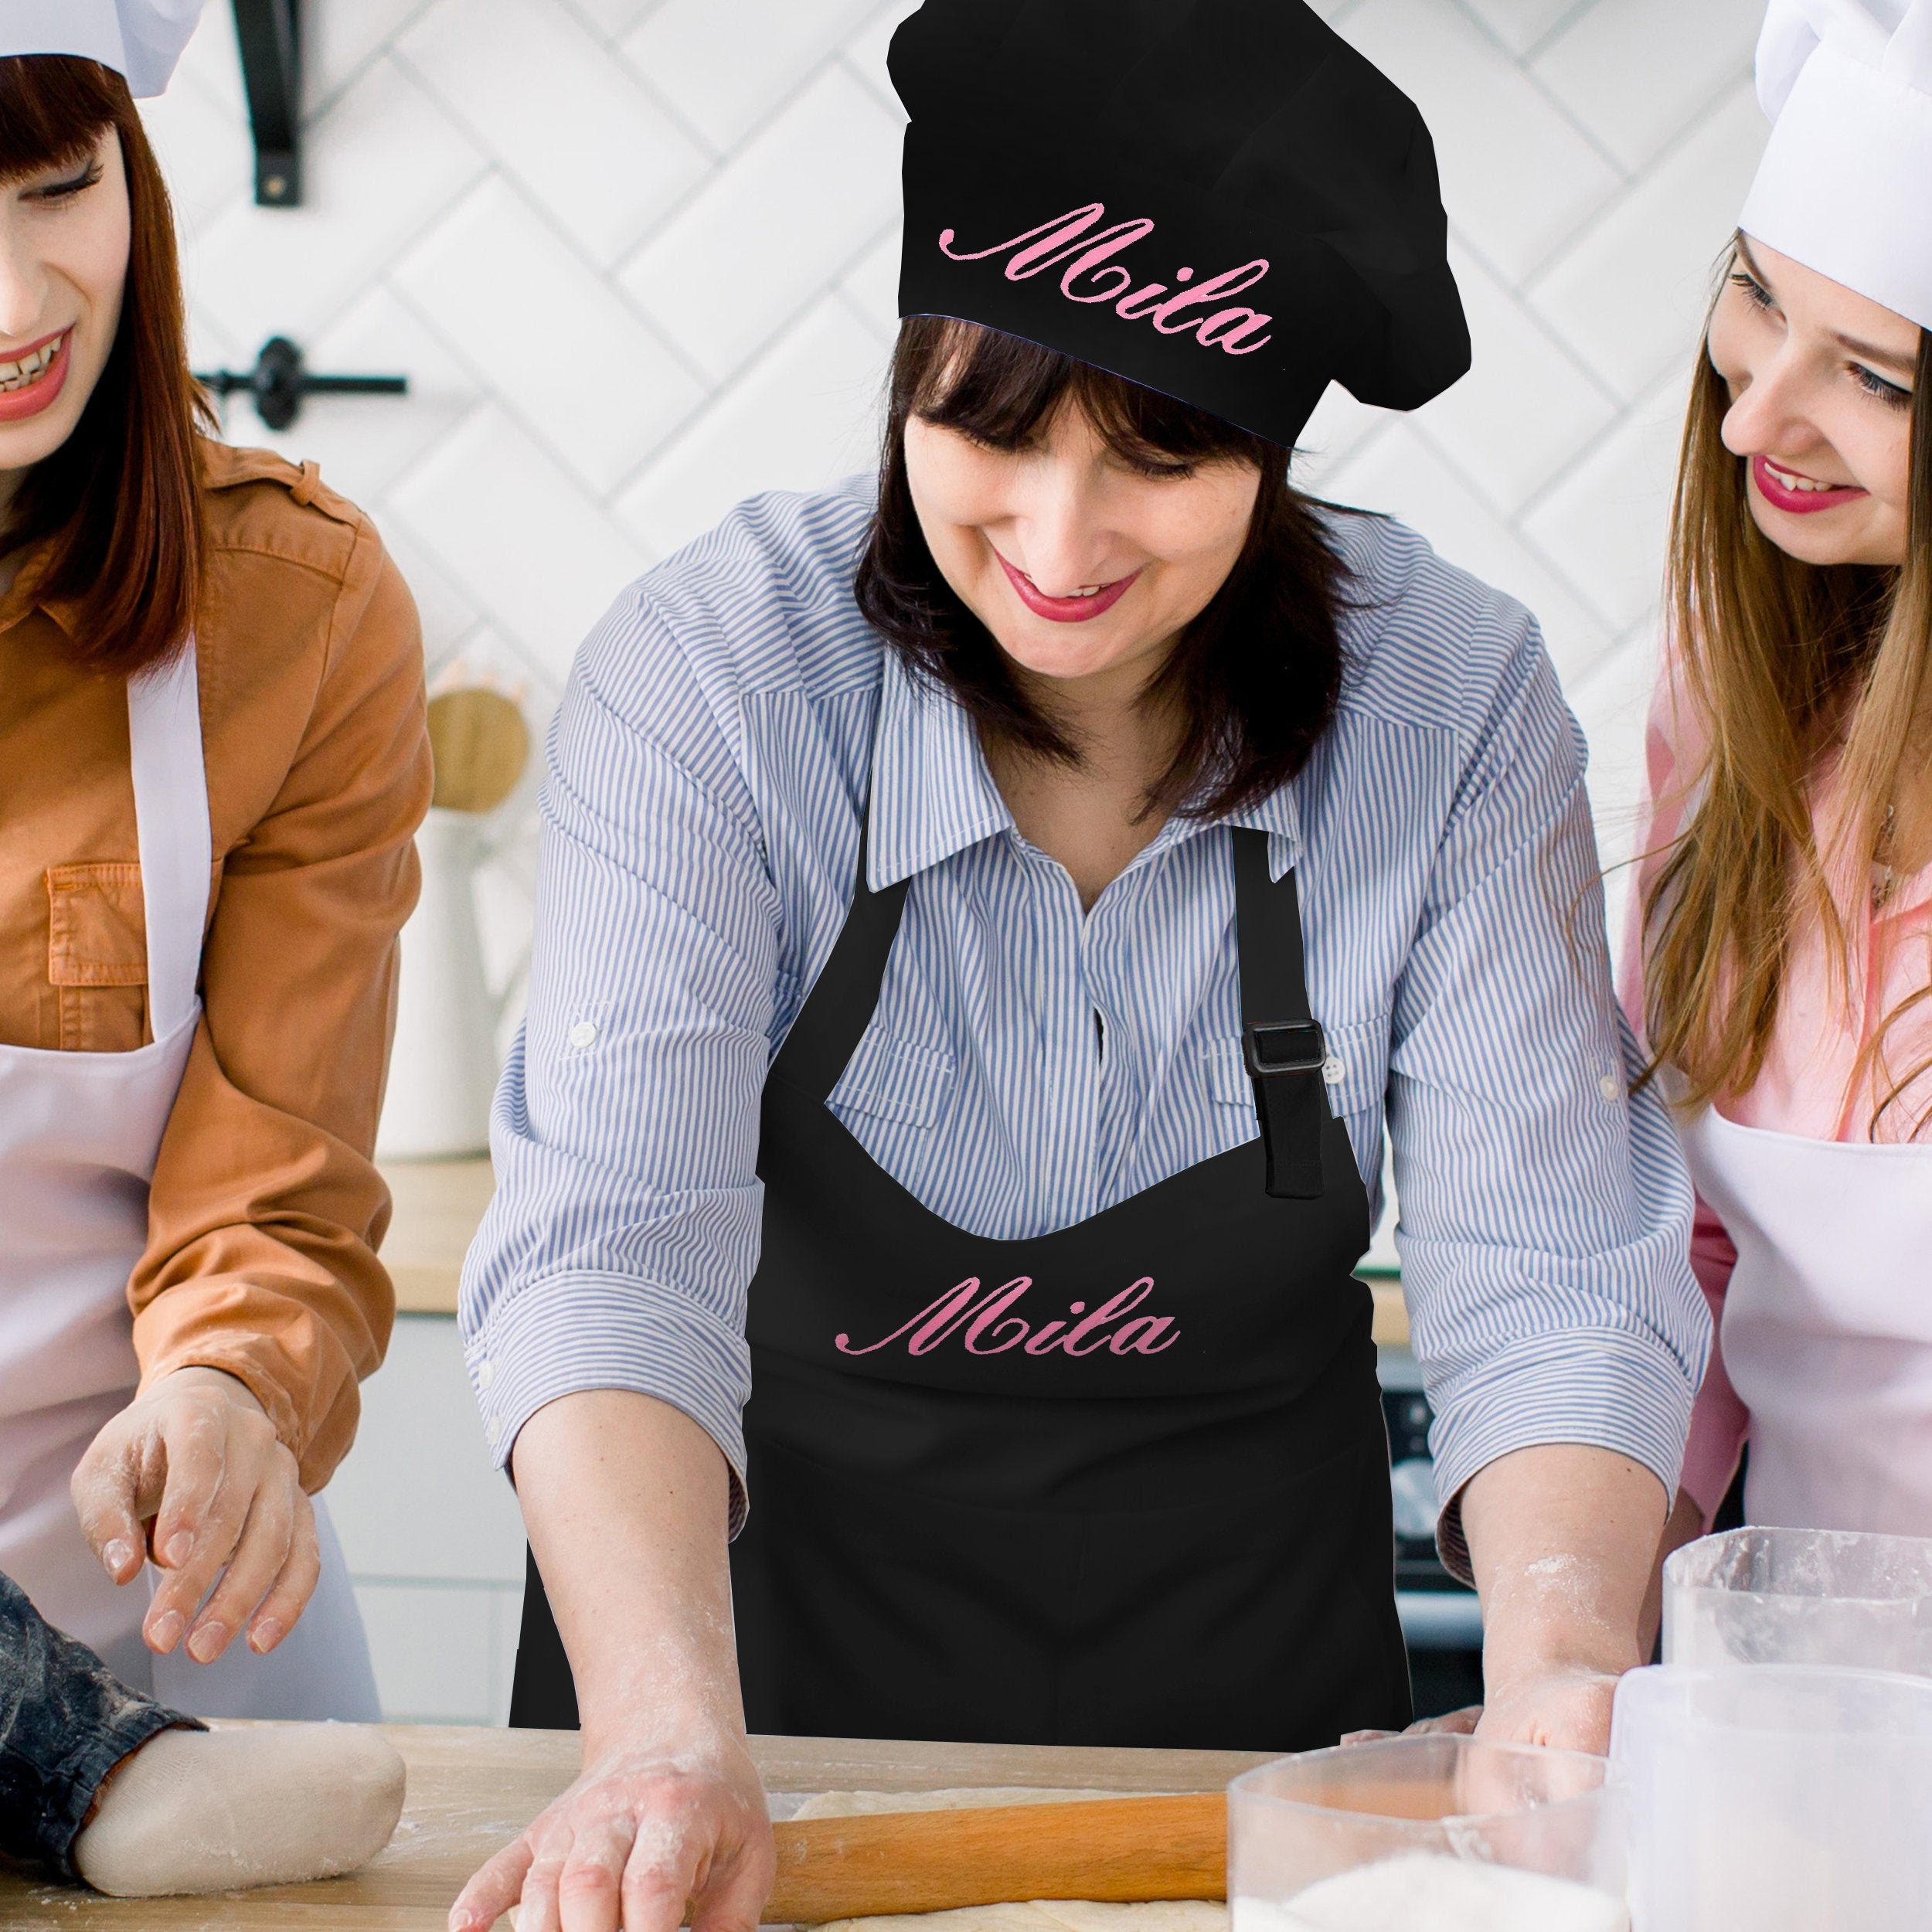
(1254, 679)
(118, 505)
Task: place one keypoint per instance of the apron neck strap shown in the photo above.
(171, 816)
(842, 1000)
(1285, 1049)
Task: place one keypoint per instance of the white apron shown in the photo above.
(79, 1136)
(1828, 1321)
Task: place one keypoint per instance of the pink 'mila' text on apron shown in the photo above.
(990, 1328)
(1092, 276)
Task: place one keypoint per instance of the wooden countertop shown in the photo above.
(471, 1791)
(438, 1204)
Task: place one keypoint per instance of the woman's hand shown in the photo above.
(196, 1456)
(1566, 1706)
(644, 1829)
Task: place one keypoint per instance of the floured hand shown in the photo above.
(197, 1454)
(640, 1832)
(1568, 1709)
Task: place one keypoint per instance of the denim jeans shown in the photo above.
(66, 1721)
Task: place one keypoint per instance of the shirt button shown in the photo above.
(1610, 1087)
(486, 1374)
(583, 1034)
(493, 1430)
(1335, 1069)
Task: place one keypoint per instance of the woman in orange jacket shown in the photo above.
(211, 710)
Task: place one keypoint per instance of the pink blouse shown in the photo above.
(1815, 1082)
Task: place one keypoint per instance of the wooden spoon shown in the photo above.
(1120, 1849)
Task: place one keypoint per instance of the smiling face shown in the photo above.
(64, 238)
(1821, 386)
(1084, 566)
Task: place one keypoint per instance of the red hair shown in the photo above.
(117, 506)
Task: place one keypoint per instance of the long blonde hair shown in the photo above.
(1789, 666)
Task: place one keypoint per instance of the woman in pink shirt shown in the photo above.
(1780, 967)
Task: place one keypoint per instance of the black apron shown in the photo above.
(1123, 1484)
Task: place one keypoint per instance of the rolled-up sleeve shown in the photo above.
(1545, 1216)
(625, 1225)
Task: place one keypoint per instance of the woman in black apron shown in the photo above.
(1122, 1479)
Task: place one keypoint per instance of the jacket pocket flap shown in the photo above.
(96, 926)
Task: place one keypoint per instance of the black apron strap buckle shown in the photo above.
(1285, 1059)
(1283, 1047)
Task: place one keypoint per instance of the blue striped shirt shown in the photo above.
(700, 829)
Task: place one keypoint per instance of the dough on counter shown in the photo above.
(1040, 1915)
(254, 1805)
(1054, 1915)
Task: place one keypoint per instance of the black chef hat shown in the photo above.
(1220, 199)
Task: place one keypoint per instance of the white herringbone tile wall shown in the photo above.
(638, 258)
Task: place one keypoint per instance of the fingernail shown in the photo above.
(265, 1636)
(116, 1556)
(165, 1631)
(181, 1546)
(205, 1646)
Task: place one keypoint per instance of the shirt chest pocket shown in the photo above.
(97, 956)
(895, 1080)
(1355, 1074)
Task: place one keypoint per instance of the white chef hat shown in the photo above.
(1845, 185)
(142, 39)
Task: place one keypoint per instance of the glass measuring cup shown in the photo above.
(1777, 1797)
(1771, 1596)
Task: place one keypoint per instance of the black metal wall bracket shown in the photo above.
(270, 32)
(279, 381)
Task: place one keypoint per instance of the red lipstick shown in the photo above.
(1066, 610)
(1799, 502)
(17, 405)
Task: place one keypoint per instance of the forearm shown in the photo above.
(1562, 1540)
(626, 1500)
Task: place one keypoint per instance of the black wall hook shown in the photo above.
(270, 32)
(279, 381)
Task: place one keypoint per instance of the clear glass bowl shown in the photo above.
(1777, 1797)
(1832, 1596)
(1428, 1834)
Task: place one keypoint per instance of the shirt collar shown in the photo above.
(22, 597)
(1279, 814)
(932, 794)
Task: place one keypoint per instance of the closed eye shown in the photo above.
(67, 190)
(1892, 395)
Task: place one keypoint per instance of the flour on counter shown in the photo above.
(1052, 1915)
(1428, 1893)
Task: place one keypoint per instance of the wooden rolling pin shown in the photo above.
(1121, 1849)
